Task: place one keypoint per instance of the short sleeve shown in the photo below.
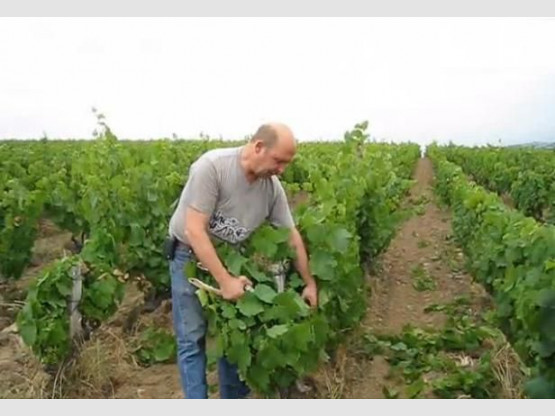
(280, 214)
(202, 189)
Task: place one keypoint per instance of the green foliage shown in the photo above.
(422, 280)
(44, 320)
(449, 362)
(20, 209)
(120, 195)
(156, 345)
(274, 338)
(526, 175)
(513, 257)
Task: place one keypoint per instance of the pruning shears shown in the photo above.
(277, 271)
(204, 286)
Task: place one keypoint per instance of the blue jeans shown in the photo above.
(190, 325)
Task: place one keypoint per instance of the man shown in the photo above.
(230, 192)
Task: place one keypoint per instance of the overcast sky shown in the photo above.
(466, 80)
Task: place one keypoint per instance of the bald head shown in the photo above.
(272, 134)
(270, 150)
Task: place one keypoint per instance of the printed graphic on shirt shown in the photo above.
(227, 228)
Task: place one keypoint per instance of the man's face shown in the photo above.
(273, 160)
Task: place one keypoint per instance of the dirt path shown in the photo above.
(422, 247)
(421, 254)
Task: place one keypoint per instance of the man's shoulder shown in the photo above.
(277, 187)
(215, 159)
(220, 154)
(276, 183)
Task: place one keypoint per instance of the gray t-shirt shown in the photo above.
(217, 186)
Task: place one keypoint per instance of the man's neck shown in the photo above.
(244, 161)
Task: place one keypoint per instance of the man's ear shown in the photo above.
(258, 146)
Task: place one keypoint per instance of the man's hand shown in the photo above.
(234, 287)
(310, 293)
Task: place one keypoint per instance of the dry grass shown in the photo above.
(335, 377)
(509, 371)
(97, 371)
(101, 365)
(342, 374)
(22, 374)
(106, 362)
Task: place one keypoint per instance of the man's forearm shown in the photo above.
(206, 254)
(301, 260)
